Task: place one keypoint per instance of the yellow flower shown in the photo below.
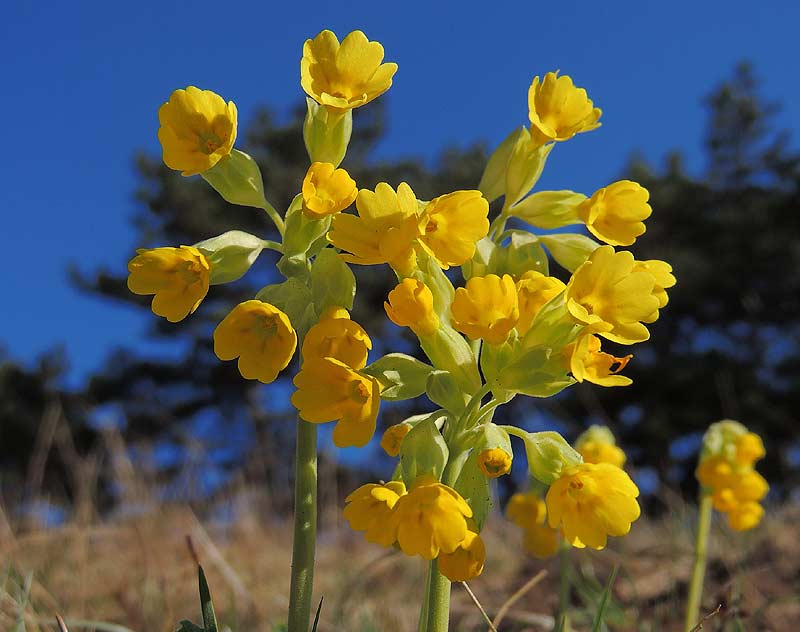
(486, 308)
(598, 452)
(411, 305)
(661, 272)
(430, 519)
(177, 277)
(339, 338)
(260, 335)
(749, 485)
(592, 501)
(346, 76)
(724, 499)
(494, 462)
(608, 294)
(587, 362)
(329, 390)
(714, 472)
(453, 224)
(197, 129)
(369, 507)
(745, 516)
(466, 562)
(384, 230)
(615, 214)
(558, 110)
(526, 510)
(749, 448)
(327, 190)
(393, 437)
(534, 289)
(540, 541)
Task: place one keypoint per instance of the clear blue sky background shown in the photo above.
(83, 81)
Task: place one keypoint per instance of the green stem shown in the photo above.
(305, 527)
(700, 556)
(275, 217)
(423, 614)
(438, 600)
(272, 245)
(565, 584)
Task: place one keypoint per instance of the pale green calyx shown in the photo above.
(326, 133)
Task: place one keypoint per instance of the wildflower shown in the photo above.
(329, 390)
(430, 519)
(587, 362)
(197, 129)
(661, 272)
(369, 507)
(339, 338)
(466, 562)
(327, 190)
(592, 501)
(393, 437)
(526, 510)
(346, 76)
(411, 305)
(558, 109)
(384, 229)
(749, 448)
(615, 214)
(745, 516)
(260, 335)
(606, 293)
(540, 541)
(453, 224)
(177, 277)
(599, 452)
(714, 472)
(486, 308)
(534, 289)
(494, 462)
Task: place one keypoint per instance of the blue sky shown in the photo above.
(83, 82)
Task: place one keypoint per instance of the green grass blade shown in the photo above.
(597, 624)
(209, 618)
(316, 616)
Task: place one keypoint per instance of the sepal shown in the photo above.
(230, 255)
(326, 133)
(423, 451)
(237, 178)
(549, 209)
(570, 250)
(400, 375)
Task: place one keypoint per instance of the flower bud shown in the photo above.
(411, 305)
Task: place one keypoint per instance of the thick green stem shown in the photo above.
(305, 527)
(275, 217)
(565, 585)
(423, 614)
(700, 556)
(438, 600)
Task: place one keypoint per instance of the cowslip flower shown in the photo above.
(347, 75)
(661, 272)
(597, 445)
(745, 516)
(177, 277)
(615, 214)
(393, 437)
(260, 335)
(466, 562)
(327, 190)
(749, 449)
(591, 501)
(329, 390)
(197, 129)
(541, 541)
(384, 230)
(410, 304)
(369, 508)
(486, 308)
(558, 109)
(587, 362)
(529, 512)
(452, 225)
(494, 462)
(336, 336)
(430, 519)
(606, 293)
(534, 289)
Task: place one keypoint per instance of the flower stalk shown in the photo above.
(700, 559)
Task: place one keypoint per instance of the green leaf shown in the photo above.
(549, 209)
(332, 282)
(237, 178)
(597, 624)
(230, 254)
(570, 250)
(423, 451)
(316, 616)
(400, 375)
(206, 606)
(474, 488)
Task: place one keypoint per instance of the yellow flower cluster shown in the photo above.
(597, 445)
(430, 520)
(730, 477)
(529, 512)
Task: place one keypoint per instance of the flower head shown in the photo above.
(329, 390)
(587, 362)
(526, 510)
(494, 462)
(592, 501)
(347, 75)
(327, 190)
(661, 272)
(466, 562)
(384, 230)
(615, 214)
(745, 516)
(369, 507)
(393, 437)
(430, 519)
(411, 305)
(177, 277)
(534, 289)
(260, 335)
(453, 224)
(749, 449)
(339, 338)
(607, 293)
(600, 452)
(197, 129)
(558, 109)
(486, 308)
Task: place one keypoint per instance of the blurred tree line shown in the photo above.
(727, 346)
